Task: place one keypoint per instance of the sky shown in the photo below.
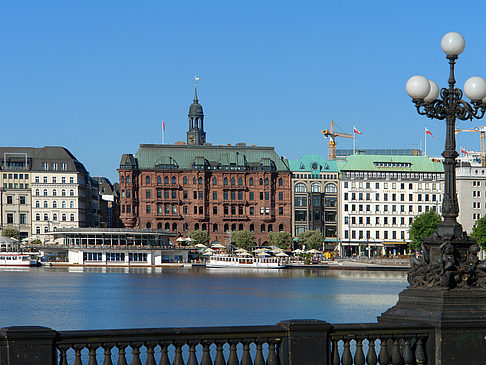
(98, 77)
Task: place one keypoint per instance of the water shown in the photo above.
(87, 298)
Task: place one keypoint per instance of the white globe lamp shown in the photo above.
(418, 87)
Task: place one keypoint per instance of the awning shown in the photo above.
(395, 243)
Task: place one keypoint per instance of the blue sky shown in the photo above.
(98, 77)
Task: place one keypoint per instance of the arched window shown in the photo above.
(174, 181)
(63, 192)
(148, 225)
(159, 225)
(46, 204)
(63, 217)
(71, 192)
(215, 227)
(240, 227)
(270, 228)
(54, 204)
(280, 228)
(46, 217)
(252, 227)
(194, 181)
(200, 181)
(196, 227)
(45, 192)
(37, 204)
(330, 188)
(46, 229)
(37, 217)
(225, 181)
(262, 228)
(147, 179)
(63, 204)
(54, 217)
(251, 181)
(232, 181)
(300, 188)
(167, 226)
(71, 204)
(226, 228)
(54, 192)
(174, 227)
(215, 181)
(166, 179)
(240, 181)
(261, 181)
(128, 179)
(204, 228)
(122, 179)
(186, 227)
(316, 187)
(159, 180)
(72, 217)
(184, 180)
(233, 227)
(280, 182)
(37, 192)
(37, 230)
(266, 181)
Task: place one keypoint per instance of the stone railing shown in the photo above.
(287, 343)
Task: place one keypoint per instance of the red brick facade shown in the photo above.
(216, 201)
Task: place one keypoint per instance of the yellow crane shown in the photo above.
(331, 134)
(482, 131)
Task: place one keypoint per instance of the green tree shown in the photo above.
(422, 227)
(311, 240)
(199, 237)
(10, 232)
(479, 232)
(280, 239)
(243, 239)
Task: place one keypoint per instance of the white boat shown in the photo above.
(227, 261)
(10, 258)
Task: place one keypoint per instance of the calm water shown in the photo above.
(118, 298)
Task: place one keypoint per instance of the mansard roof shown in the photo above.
(312, 163)
(359, 162)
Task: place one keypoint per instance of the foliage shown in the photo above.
(243, 239)
(311, 240)
(280, 239)
(199, 237)
(479, 232)
(37, 242)
(10, 232)
(422, 227)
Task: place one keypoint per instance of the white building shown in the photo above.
(380, 196)
(471, 195)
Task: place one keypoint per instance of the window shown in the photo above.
(280, 195)
(23, 218)
(37, 204)
(37, 179)
(280, 210)
(147, 180)
(71, 193)
(63, 204)
(71, 180)
(37, 192)
(225, 181)
(63, 193)
(54, 192)
(233, 181)
(46, 217)
(280, 182)
(71, 217)
(330, 188)
(184, 180)
(240, 181)
(215, 195)
(63, 179)
(300, 188)
(71, 204)
(215, 181)
(45, 192)
(10, 218)
(251, 181)
(46, 204)
(147, 208)
(266, 181)
(252, 210)
(9, 199)
(54, 180)
(45, 179)
(54, 217)
(316, 187)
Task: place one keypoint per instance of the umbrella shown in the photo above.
(208, 253)
(189, 239)
(313, 251)
(180, 239)
(276, 250)
(209, 250)
(240, 250)
(281, 254)
(4, 239)
(263, 254)
(244, 254)
(260, 250)
(217, 245)
(298, 251)
(200, 245)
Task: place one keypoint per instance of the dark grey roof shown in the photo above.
(196, 109)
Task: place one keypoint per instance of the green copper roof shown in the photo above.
(312, 163)
(184, 157)
(390, 163)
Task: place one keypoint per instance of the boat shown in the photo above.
(12, 258)
(244, 262)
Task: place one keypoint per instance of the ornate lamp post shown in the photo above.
(450, 257)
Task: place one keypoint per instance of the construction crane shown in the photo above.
(482, 131)
(331, 134)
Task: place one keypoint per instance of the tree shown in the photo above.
(280, 239)
(243, 239)
(422, 227)
(311, 239)
(479, 232)
(199, 237)
(10, 232)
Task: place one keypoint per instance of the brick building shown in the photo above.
(219, 189)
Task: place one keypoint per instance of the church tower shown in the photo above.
(196, 134)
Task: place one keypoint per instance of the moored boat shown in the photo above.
(11, 258)
(228, 261)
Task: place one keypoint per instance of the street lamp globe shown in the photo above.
(453, 44)
(475, 88)
(433, 93)
(418, 87)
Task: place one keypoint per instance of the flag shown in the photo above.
(428, 132)
(163, 125)
(356, 131)
(464, 151)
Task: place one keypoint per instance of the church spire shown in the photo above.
(196, 79)
(196, 134)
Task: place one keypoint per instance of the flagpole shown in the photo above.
(354, 139)
(425, 138)
(163, 132)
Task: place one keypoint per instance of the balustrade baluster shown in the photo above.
(408, 357)
(272, 358)
(136, 354)
(233, 357)
(164, 359)
(219, 360)
(335, 353)
(178, 354)
(396, 356)
(122, 360)
(383, 357)
(420, 351)
(259, 360)
(246, 358)
(371, 356)
(150, 354)
(77, 360)
(206, 358)
(192, 360)
(63, 356)
(107, 360)
(92, 355)
(347, 358)
(359, 358)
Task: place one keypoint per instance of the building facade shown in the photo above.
(315, 197)
(380, 196)
(471, 195)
